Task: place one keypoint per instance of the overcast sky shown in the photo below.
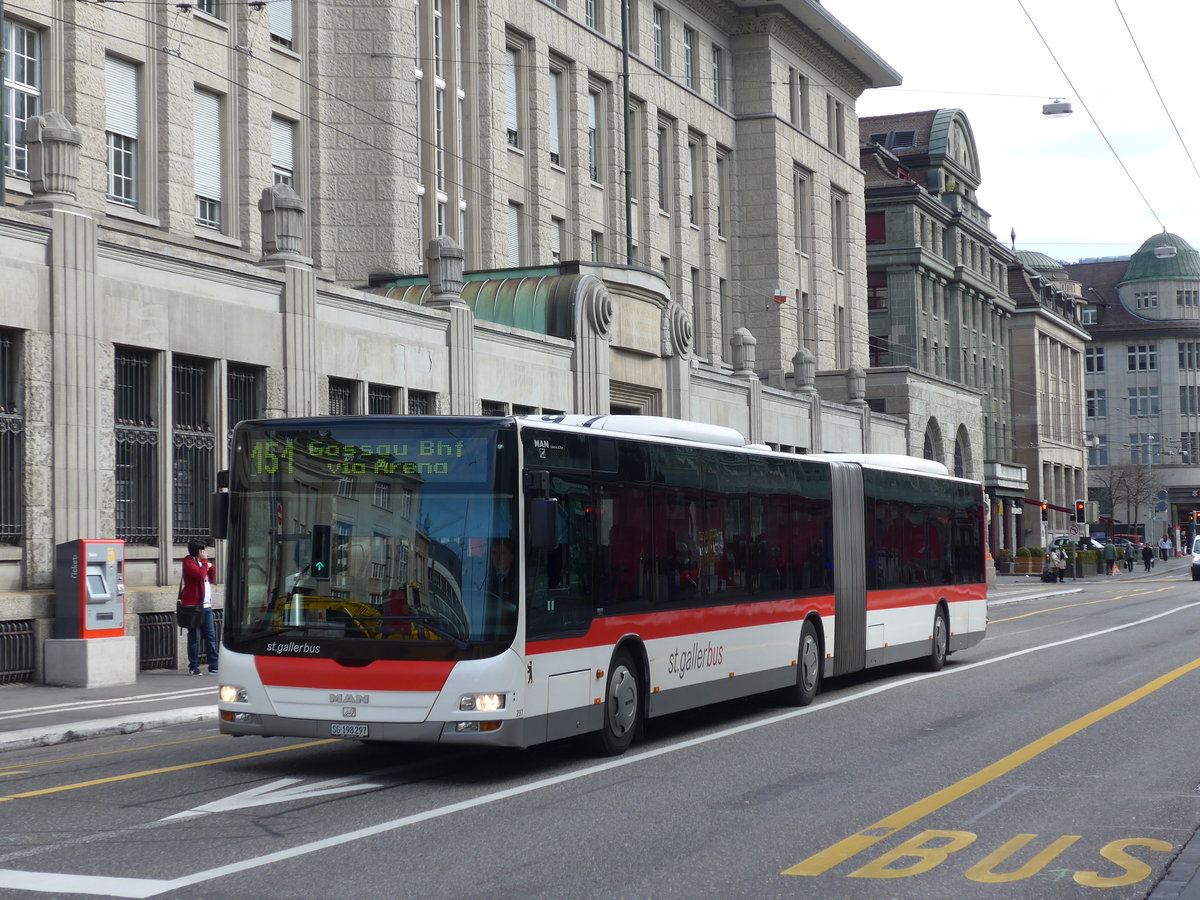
(1055, 180)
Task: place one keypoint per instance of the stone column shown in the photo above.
(282, 226)
(593, 315)
(77, 432)
(744, 346)
(804, 378)
(677, 358)
(445, 284)
(856, 391)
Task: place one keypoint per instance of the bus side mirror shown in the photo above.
(543, 523)
(218, 514)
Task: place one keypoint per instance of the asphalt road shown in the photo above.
(1056, 759)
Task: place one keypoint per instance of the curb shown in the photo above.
(48, 736)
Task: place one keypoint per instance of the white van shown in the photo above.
(1196, 558)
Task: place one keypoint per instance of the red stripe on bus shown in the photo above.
(677, 622)
(328, 674)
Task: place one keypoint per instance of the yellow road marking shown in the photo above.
(65, 759)
(180, 768)
(1038, 612)
(822, 862)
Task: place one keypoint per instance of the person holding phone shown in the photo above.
(199, 575)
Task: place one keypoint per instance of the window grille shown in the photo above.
(137, 449)
(420, 403)
(242, 394)
(341, 397)
(381, 401)
(193, 447)
(12, 442)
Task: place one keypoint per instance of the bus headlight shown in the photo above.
(480, 702)
(232, 694)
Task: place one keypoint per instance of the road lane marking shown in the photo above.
(1038, 612)
(55, 882)
(8, 770)
(282, 790)
(112, 779)
(821, 862)
(30, 711)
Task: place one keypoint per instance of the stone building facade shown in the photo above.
(1142, 384)
(223, 212)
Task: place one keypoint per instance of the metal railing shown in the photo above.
(158, 641)
(16, 651)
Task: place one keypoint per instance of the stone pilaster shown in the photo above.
(593, 332)
(445, 263)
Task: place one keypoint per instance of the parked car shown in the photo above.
(1196, 558)
(1066, 540)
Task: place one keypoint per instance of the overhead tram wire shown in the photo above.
(1088, 110)
(1154, 84)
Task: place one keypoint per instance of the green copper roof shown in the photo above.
(1041, 262)
(1147, 265)
(538, 300)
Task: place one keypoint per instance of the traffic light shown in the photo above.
(1080, 511)
(1045, 511)
(322, 540)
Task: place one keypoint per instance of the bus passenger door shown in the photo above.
(849, 569)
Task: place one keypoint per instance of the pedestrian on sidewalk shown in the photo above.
(1165, 547)
(1058, 559)
(199, 575)
(1110, 558)
(1130, 556)
(1147, 556)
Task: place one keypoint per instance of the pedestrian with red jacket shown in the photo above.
(199, 575)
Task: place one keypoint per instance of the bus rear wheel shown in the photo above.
(940, 642)
(808, 669)
(622, 706)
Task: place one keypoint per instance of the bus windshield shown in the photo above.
(371, 538)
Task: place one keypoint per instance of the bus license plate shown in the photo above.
(339, 729)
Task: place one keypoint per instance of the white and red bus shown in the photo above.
(656, 565)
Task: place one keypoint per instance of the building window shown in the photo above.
(558, 228)
(512, 106)
(691, 65)
(381, 400)
(421, 403)
(659, 30)
(22, 91)
(838, 204)
(877, 348)
(12, 443)
(1093, 360)
(597, 244)
(283, 22)
(193, 445)
(342, 394)
(556, 116)
(1090, 316)
(136, 436)
(209, 7)
(593, 15)
(1097, 404)
(1098, 454)
(283, 151)
(1142, 357)
(1187, 298)
(514, 234)
(664, 168)
(1189, 448)
(801, 211)
(1189, 355)
(876, 228)
(1143, 401)
(594, 160)
(718, 74)
(121, 104)
(877, 290)
(1146, 299)
(206, 119)
(693, 178)
(1189, 400)
(493, 408)
(722, 195)
(242, 392)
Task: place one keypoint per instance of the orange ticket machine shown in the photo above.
(89, 582)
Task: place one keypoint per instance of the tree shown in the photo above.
(1126, 486)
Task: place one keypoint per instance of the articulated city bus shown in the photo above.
(510, 581)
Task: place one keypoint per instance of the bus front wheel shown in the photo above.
(622, 706)
(808, 669)
(940, 641)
